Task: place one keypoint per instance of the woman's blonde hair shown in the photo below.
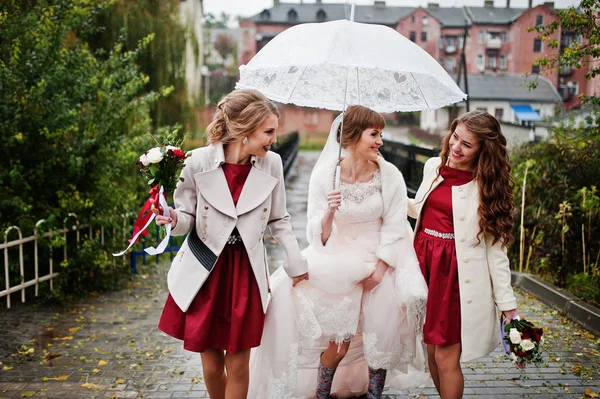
(238, 114)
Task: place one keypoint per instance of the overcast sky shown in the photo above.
(248, 8)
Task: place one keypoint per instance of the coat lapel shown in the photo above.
(212, 185)
(257, 188)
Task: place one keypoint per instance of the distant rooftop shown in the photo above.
(493, 16)
(449, 17)
(297, 13)
(314, 12)
(509, 87)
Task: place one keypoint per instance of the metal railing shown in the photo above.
(409, 159)
(287, 148)
(51, 274)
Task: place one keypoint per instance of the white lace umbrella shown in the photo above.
(335, 64)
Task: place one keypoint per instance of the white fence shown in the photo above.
(37, 279)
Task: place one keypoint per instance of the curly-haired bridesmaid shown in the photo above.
(464, 221)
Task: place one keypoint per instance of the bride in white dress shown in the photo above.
(357, 321)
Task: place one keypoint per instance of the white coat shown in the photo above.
(483, 269)
(203, 198)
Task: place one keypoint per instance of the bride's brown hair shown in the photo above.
(492, 174)
(357, 119)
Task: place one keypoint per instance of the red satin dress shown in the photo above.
(437, 258)
(227, 311)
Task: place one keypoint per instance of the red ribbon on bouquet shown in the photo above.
(145, 217)
(145, 214)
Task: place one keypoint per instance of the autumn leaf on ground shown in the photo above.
(102, 363)
(57, 378)
(50, 356)
(27, 394)
(6, 368)
(66, 338)
(95, 370)
(589, 393)
(89, 385)
(120, 381)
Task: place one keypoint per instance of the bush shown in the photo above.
(72, 125)
(562, 209)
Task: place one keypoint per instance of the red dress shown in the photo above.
(437, 258)
(227, 311)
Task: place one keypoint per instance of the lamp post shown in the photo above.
(206, 73)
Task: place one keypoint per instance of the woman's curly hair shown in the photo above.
(492, 175)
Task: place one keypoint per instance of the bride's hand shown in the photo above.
(375, 278)
(334, 199)
(297, 279)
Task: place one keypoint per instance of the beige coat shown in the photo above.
(204, 198)
(483, 270)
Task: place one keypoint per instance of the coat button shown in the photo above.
(203, 238)
(204, 216)
(203, 231)
(265, 209)
(216, 160)
(469, 300)
(206, 208)
(461, 218)
(467, 280)
(460, 189)
(466, 260)
(263, 217)
(462, 239)
(463, 196)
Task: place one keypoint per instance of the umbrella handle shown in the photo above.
(337, 177)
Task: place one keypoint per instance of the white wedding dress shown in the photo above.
(384, 325)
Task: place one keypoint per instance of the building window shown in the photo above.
(503, 37)
(450, 64)
(442, 61)
(265, 15)
(502, 62)
(412, 19)
(479, 61)
(535, 69)
(499, 113)
(461, 41)
(484, 109)
(539, 20)
(425, 20)
(481, 36)
(423, 36)
(537, 45)
(412, 36)
(321, 15)
(292, 15)
(491, 61)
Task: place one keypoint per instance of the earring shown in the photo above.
(245, 140)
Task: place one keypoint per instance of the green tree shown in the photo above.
(128, 22)
(72, 125)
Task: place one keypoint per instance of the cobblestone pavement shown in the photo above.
(108, 346)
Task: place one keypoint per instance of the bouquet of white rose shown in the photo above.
(162, 166)
(522, 341)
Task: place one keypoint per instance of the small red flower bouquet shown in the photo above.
(522, 341)
(162, 166)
